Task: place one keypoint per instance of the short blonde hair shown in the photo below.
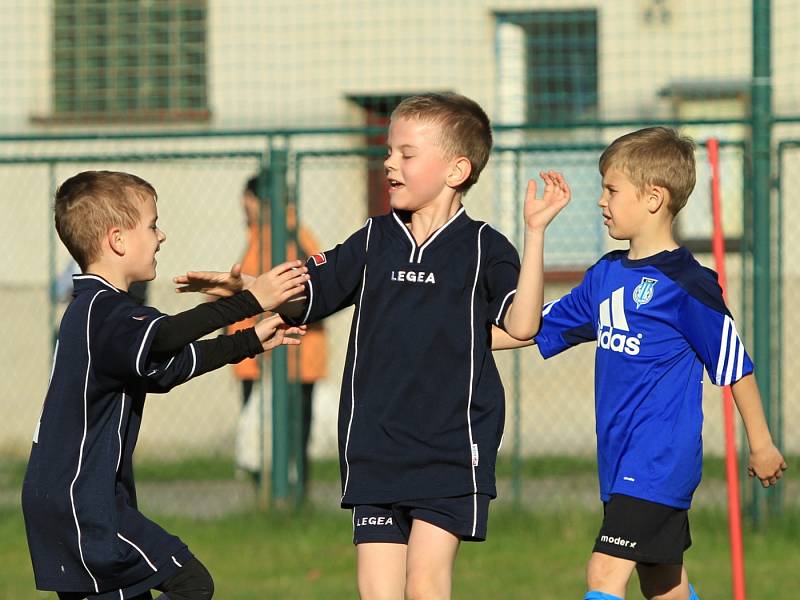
(655, 156)
(88, 204)
(465, 128)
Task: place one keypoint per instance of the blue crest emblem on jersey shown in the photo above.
(644, 291)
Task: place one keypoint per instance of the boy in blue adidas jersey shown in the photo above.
(422, 410)
(85, 533)
(658, 318)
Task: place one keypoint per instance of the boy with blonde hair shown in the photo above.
(422, 409)
(658, 318)
(86, 535)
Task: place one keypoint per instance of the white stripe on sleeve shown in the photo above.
(723, 350)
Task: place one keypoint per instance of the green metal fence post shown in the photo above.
(264, 487)
(516, 457)
(761, 117)
(51, 262)
(279, 358)
(778, 493)
(296, 414)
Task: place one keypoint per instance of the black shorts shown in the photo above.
(465, 517)
(643, 531)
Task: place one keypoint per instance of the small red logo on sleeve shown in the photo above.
(319, 259)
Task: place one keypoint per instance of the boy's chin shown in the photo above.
(615, 235)
(395, 205)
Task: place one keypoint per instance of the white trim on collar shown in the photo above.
(98, 278)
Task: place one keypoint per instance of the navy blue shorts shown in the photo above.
(465, 517)
(643, 531)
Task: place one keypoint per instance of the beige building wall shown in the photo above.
(283, 64)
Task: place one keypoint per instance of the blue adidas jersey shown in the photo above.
(657, 322)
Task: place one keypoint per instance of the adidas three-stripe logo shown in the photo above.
(731, 354)
(612, 321)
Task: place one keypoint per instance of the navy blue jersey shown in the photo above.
(422, 408)
(656, 322)
(85, 533)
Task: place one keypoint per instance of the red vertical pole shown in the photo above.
(731, 467)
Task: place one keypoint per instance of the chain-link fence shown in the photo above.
(197, 97)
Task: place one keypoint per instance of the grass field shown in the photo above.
(529, 555)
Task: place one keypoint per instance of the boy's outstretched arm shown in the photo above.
(273, 332)
(502, 341)
(272, 288)
(766, 461)
(523, 318)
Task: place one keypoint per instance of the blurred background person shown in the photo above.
(307, 363)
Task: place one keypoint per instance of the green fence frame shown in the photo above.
(285, 161)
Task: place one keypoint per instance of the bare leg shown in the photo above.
(381, 571)
(429, 568)
(608, 574)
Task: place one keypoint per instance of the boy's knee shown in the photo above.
(193, 582)
(425, 588)
(203, 585)
(203, 588)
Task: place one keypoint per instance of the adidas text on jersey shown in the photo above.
(612, 316)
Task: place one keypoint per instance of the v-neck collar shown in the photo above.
(417, 250)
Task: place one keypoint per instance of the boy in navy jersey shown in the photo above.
(85, 533)
(658, 318)
(422, 409)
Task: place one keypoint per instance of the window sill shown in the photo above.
(133, 117)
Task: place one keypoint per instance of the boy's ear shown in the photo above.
(657, 197)
(116, 241)
(460, 170)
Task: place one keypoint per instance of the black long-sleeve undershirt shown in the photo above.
(225, 349)
(175, 331)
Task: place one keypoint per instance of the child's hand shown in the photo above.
(273, 332)
(280, 284)
(539, 213)
(214, 283)
(767, 464)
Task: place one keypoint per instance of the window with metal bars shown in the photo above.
(129, 60)
(560, 54)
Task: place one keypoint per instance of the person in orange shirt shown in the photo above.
(309, 364)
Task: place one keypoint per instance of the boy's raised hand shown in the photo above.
(280, 284)
(767, 464)
(214, 283)
(273, 332)
(539, 213)
(222, 284)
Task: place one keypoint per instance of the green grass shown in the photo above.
(218, 468)
(309, 555)
(221, 467)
